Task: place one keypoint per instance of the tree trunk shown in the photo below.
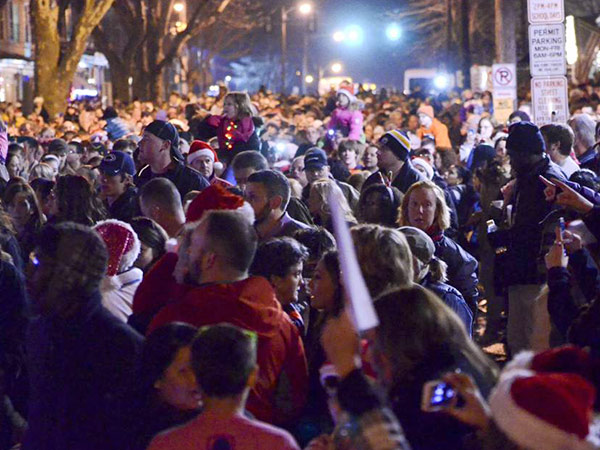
(506, 31)
(465, 43)
(119, 76)
(156, 86)
(55, 67)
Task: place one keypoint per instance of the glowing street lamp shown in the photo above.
(339, 36)
(393, 32)
(178, 7)
(309, 79)
(305, 8)
(336, 67)
(354, 34)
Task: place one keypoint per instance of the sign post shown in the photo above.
(547, 61)
(504, 81)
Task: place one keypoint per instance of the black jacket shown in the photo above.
(126, 206)
(526, 233)
(407, 176)
(183, 177)
(81, 371)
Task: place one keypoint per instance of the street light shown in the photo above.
(305, 8)
(339, 36)
(354, 34)
(309, 79)
(178, 7)
(393, 32)
(336, 67)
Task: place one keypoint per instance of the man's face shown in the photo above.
(386, 158)
(204, 165)
(150, 148)
(112, 185)
(73, 157)
(316, 173)
(256, 194)
(241, 176)
(521, 162)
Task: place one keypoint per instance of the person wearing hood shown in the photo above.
(524, 274)
(221, 250)
(431, 125)
(81, 360)
(159, 149)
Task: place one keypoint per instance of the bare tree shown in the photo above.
(140, 39)
(56, 60)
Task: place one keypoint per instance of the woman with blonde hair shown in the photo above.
(384, 257)
(321, 193)
(424, 207)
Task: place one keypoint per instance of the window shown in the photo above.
(14, 23)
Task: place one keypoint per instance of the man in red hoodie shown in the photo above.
(221, 251)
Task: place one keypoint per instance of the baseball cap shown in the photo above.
(167, 132)
(421, 245)
(117, 162)
(315, 158)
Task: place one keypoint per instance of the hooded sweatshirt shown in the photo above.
(282, 384)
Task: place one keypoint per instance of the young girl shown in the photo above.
(347, 117)
(234, 129)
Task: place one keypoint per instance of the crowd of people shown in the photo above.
(170, 277)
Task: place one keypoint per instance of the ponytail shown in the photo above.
(437, 269)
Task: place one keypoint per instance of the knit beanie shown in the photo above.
(427, 110)
(525, 137)
(398, 142)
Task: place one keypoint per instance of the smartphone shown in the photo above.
(561, 224)
(437, 395)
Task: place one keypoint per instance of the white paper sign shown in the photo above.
(547, 55)
(550, 100)
(545, 11)
(361, 304)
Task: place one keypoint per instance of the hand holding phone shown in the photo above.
(437, 396)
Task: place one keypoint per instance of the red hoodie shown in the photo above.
(251, 304)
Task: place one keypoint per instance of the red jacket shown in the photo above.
(251, 304)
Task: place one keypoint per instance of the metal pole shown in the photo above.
(283, 46)
(305, 60)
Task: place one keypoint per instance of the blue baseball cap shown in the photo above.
(315, 158)
(117, 162)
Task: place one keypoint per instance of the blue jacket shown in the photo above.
(462, 268)
(81, 371)
(453, 299)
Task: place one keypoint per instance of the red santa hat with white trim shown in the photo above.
(347, 89)
(544, 411)
(201, 148)
(122, 243)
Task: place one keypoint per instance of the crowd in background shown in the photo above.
(170, 279)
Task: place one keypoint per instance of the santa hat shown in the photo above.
(122, 243)
(201, 148)
(217, 197)
(547, 411)
(565, 359)
(347, 90)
